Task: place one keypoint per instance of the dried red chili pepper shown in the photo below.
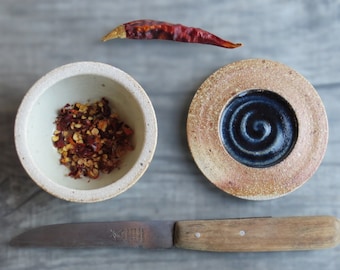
(150, 29)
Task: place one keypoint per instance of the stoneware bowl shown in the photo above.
(257, 129)
(83, 82)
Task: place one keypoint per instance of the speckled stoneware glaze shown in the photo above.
(83, 82)
(257, 129)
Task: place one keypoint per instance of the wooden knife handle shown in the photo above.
(258, 234)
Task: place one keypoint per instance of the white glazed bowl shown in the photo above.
(83, 82)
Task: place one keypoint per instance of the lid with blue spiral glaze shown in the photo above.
(257, 129)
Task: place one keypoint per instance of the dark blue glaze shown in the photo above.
(258, 128)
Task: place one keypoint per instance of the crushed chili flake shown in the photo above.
(90, 138)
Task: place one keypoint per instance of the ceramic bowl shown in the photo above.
(257, 129)
(83, 82)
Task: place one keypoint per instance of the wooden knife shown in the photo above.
(227, 235)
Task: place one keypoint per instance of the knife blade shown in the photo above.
(227, 235)
(149, 234)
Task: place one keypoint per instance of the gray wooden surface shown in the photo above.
(37, 36)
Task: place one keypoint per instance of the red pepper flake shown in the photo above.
(91, 139)
(150, 29)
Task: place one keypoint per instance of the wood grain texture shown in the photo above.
(38, 35)
(259, 234)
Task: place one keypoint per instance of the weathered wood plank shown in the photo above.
(37, 36)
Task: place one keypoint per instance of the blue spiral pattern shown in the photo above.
(258, 128)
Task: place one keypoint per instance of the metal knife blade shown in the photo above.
(152, 234)
(227, 235)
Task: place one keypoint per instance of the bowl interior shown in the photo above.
(80, 88)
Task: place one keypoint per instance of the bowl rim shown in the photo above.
(72, 70)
